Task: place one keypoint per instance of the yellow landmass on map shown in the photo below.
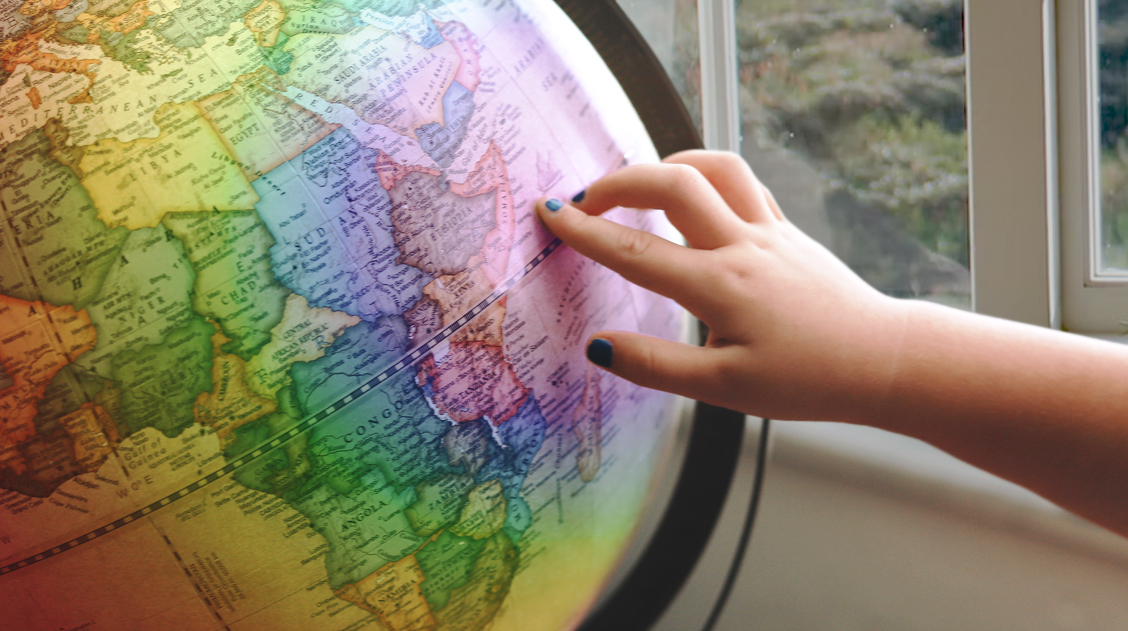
(302, 336)
(484, 513)
(264, 21)
(261, 128)
(386, 80)
(392, 593)
(99, 26)
(186, 168)
(231, 403)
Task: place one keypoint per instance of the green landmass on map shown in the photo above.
(68, 251)
(77, 33)
(283, 470)
(146, 295)
(276, 58)
(324, 17)
(125, 48)
(235, 283)
(447, 562)
(392, 8)
(365, 526)
(159, 383)
(474, 604)
(438, 503)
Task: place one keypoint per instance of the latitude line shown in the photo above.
(408, 358)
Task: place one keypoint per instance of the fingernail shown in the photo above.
(579, 196)
(599, 352)
(554, 204)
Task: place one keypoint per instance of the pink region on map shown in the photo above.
(390, 172)
(470, 70)
(490, 174)
(474, 381)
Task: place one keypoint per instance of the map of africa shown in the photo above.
(282, 343)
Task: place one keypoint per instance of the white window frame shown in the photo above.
(1093, 302)
(1034, 166)
(1012, 159)
(720, 96)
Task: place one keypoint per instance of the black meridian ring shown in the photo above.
(717, 434)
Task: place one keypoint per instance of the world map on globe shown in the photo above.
(282, 342)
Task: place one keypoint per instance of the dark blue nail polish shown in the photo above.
(599, 352)
(579, 196)
(554, 204)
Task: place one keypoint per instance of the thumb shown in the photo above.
(652, 362)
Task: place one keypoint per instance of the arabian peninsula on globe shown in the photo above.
(282, 343)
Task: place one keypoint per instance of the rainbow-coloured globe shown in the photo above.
(283, 345)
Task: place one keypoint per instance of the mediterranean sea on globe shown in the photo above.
(283, 345)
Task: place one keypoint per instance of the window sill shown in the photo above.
(909, 470)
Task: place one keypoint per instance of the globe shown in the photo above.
(283, 344)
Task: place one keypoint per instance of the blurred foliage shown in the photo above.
(1114, 202)
(1113, 59)
(873, 92)
(915, 168)
(686, 73)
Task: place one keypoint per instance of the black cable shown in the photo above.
(746, 532)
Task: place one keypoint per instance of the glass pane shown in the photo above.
(1112, 37)
(670, 27)
(853, 114)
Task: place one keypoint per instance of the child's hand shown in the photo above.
(794, 334)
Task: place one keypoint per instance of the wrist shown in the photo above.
(881, 354)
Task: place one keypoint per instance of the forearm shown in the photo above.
(1045, 409)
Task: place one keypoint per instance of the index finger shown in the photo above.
(734, 181)
(691, 203)
(644, 259)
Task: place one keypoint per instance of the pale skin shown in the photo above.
(794, 334)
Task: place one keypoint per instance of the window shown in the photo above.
(852, 112)
(1047, 174)
(1110, 239)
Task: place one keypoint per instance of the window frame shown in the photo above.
(1093, 303)
(720, 95)
(1034, 167)
(1012, 108)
